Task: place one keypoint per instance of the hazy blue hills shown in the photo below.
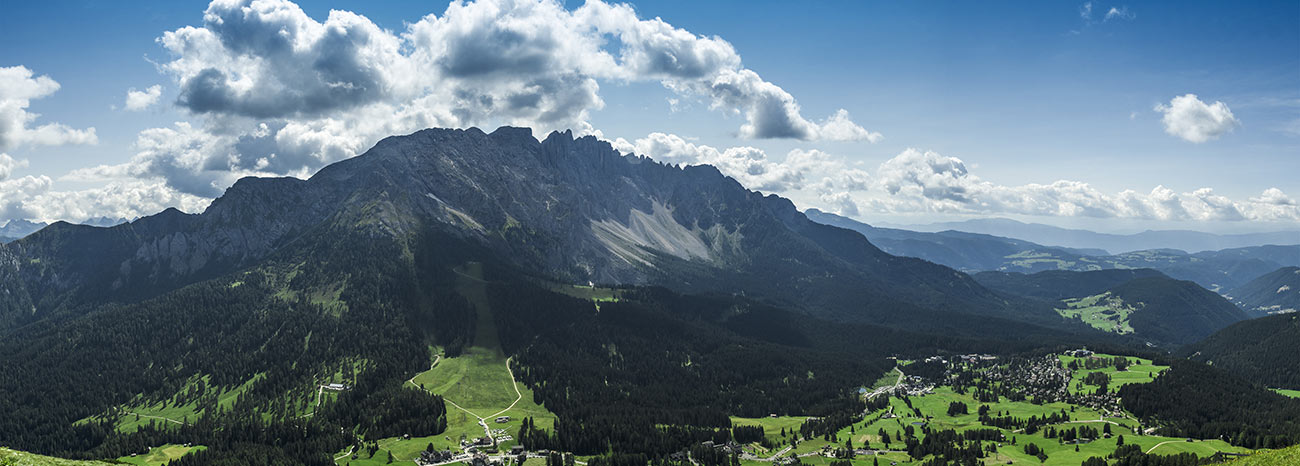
(1194, 241)
(1218, 270)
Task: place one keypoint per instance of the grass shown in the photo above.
(138, 413)
(160, 456)
(771, 425)
(1142, 372)
(1103, 312)
(935, 406)
(886, 380)
(1290, 393)
(593, 293)
(1284, 457)
(18, 458)
(478, 380)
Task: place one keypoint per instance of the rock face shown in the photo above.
(573, 210)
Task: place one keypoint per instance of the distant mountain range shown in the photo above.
(1219, 271)
(1192, 241)
(18, 228)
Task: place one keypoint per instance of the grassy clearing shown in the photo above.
(1284, 457)
(593, 293)
(886, 380)
(772, 426)
(1103, 312)
(160, 456)
(477, 380)
(1290, 393)
(18, 458)
(1142, 372)
(162, 413)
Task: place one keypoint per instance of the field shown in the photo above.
(1142, 372)
(160, 456)
(1102, 312)
(772, 426)
(476, 381)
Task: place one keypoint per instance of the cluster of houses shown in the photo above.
(1080, 353)
(434, 457)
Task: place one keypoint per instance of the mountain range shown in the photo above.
(1193, 241)
(574, 210)
(1220, 270)
(282, 282)
(626, 294)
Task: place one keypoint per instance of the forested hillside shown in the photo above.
(1264, 350)
(1273, 293)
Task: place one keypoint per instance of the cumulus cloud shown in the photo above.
(1192, 120)
(923, 181)
(280, 92)
(18, 87)
(35, 197)
(140, 100)
(748, 165)
(829, 179)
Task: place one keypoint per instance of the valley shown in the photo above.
(425, 304)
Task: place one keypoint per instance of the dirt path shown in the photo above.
(345, 455)
(514, 383)
(1162, 443)
(482, 421)
(436, 358)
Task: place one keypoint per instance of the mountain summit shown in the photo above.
(570, 209)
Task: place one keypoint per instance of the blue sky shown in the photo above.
(1041, 111)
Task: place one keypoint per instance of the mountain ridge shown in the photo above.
(1185, 240)
(571, 208)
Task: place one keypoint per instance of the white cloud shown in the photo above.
(140, 100)
(282, 93)
(916, 181)
(18, 88)
(8, 165)
(1190, 119)
(1119, 13)
(1085, 11)
(34, 197)
(748, 165)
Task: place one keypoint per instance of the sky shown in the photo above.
(1110, 116)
